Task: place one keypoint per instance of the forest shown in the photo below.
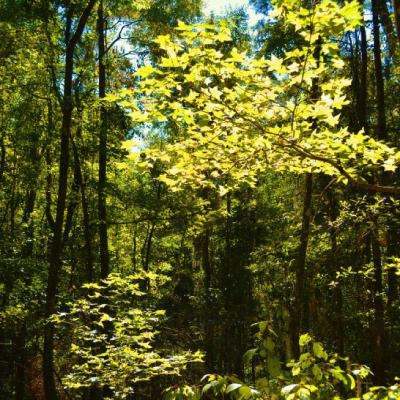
(199, 205)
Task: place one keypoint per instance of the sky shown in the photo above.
(219, 7)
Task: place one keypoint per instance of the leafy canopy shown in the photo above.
(237, 116)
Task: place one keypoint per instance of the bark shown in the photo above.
(378, 325)
(56, 245)
(209, 325)
(388, 26)
(49, 215)
(379, 83)
(19, 344)
(30, 200)
(85, 213)
(102, 182)
(393, 250)
(300, 315)
(380, 355)
(300, 265)
(338, 324)
(148, 246)
(72, 204)
(362, 100)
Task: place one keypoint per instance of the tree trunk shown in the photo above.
(102, 210)
(209, 326)
(300, 264)
(20, 361)
(338, 325)
(379, 83)
(378, 325)
(85, 214)
(388, 25)
(362, 100)
(56, 245)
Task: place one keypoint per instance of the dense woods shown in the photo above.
(197, 207)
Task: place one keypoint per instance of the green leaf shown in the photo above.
(319, 351)
(304, 340)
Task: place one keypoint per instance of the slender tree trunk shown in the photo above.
(300, 263)
(20, 362)
(388, 25)
(102, 210)
(379, 83)
(150, 231)
(300, 315)
(338, 327)
(85, 214)
(209, 326)
(149, 242)
(393, 250)
(71, 208)
(378, 327)
(362, 100)
(56, 245)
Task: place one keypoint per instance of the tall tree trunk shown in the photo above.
(376, 251)
(362, 100)
(149, 242)
(300, 315)
(378, 325)
(379, 83)
(102, 210)
(338, 327)
(19, 344)
(300, 265)
(388, 25)
(85, 214)
(56, 245)
(209, 326)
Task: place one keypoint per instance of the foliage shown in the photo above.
(315, 375)
(113, 337)
(211, 183)
(234, 113)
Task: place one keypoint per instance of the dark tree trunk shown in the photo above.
(388, 25)
(20, 362)
(338, 324)
(379, 346)
(149, 242)
(378, 325)
(102, 210)
(300, 315)
(362, 99)
(56, 245)
(85, 214)
(209, 326)
(379, 83)
(300, 265)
